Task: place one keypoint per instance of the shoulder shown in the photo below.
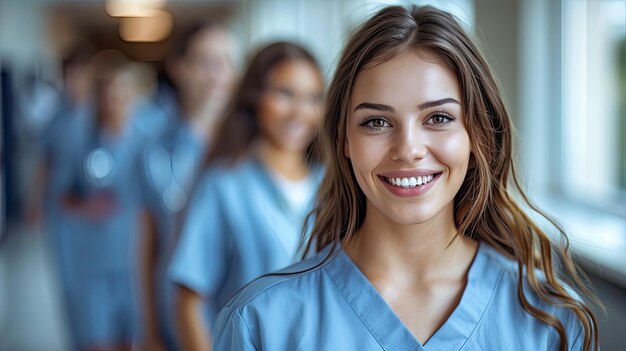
(296, 282)
(507, 292)
(223, 175)
(497, 259)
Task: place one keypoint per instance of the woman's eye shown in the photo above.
(378, 123)
(440, 119)
(375, 124)
(285, 92)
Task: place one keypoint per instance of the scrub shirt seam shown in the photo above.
(247, 328)
(286, 280)
(485, 310)
(577, 337)
(355, 311)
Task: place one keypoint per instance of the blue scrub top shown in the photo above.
(334, 307)
(62, 144)
(239, 226)
(110, 242)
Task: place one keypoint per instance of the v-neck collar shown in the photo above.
(386, 326)
(278, 210)
(261, 170)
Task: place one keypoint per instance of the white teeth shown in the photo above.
(410, 182)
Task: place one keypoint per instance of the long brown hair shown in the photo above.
(484, 207)
(239, 127)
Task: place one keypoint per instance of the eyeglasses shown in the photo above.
(289, 96)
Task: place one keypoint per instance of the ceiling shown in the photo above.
(70, 22)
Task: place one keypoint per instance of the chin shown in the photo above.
(397, 217)
(412, 216)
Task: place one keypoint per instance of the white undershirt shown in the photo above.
(296, 192)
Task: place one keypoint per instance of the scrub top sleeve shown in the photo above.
(232, 333)
(201, 255)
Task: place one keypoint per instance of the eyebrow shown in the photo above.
(422, 106)
(429, 104)
(373, 106)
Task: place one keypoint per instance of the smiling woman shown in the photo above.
(420, 242)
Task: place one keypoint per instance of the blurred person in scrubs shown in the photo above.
(203, 73)
(104, 201)
(248, 211)
(62, 143)
(421, 242)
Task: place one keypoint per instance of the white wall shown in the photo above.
(322, 26)
(22, 34)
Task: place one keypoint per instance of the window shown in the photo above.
(594, 103)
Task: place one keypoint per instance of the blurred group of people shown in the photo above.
(160, 202)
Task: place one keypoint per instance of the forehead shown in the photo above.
(296, 72)
(210, 40)
(407, 78)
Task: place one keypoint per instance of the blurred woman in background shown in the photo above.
(62, 144)
(248, 210)
(202, 71)
(104, 200)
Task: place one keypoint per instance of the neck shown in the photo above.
(113, 121)
(114, 129)
(290, 164)
(416, 254)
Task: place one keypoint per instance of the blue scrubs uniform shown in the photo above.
(169, 168)
(239, 226)
(334, 307)
(104, 250)
(62, 145)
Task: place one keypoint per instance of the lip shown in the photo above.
(409, 192)
(409, 173)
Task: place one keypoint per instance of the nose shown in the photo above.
(409, 145)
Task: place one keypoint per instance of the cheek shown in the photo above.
(264, 111)
(271, 110)
(268, 114)
(314, 113)
(365, 154)
(454, 152)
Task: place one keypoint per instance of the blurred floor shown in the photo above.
(33, 318)
(613, 324)
(31, 313)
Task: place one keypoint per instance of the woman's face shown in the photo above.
(117, 95)
(289, 108)
(206, 69)
(406, 139)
